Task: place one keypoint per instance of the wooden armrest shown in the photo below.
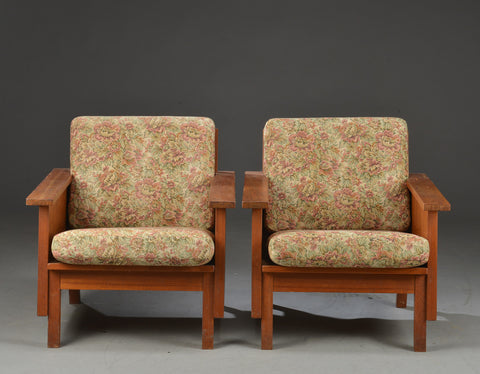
(222, 190)
(255, 190)
(427, 195)
(51, 188)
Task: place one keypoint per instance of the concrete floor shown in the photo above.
(160, 332)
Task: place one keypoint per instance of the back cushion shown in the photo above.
(141, 171)
(337, 173)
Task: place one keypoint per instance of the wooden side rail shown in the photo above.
(255, 196)
(51, 197)
(222, 196)
(427, 200)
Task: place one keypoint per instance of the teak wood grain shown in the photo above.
(331, 282)
(222, 190)
(360, 271)
(140, 281)
(255, 190)
(54, 265)
(51, 188)
(426, 193)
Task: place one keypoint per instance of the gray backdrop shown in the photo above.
(241, 63)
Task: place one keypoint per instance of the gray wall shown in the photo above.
(241, 63)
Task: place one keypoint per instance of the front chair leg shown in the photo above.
(219, 290)
(257, 216)
(54, 306)
(432, 296)
(420, 315)
(267, 311)
(207, 315)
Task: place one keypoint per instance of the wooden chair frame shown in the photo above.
(51, 196)
(421, 281)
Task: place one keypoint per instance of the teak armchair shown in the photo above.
(335, 210)
(142, 207)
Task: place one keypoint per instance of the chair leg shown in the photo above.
(257, 294)
(401, 300)
(43, 251)
(267, 311)
(431, 296)
(207, 315)
(219, 299)
(420, 315)
(74, 296)
(54, 306)
(42, 298)
(257, 216)
(219, 291)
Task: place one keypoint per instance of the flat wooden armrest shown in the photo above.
(427, 195)
(222, 190)
(51, 188)
(255, 190)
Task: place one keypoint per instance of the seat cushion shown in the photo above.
(337, 174)
(347, 248)
(158, 246)
(141, 171)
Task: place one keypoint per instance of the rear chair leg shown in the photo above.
(54, 306)
(267, 311)
(401, 300)
(420, 315)
(74, 296)
(207, 315)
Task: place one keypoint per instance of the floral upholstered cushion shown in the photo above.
(348, 248)
(156, 246)
(337, 173)
(141, 171)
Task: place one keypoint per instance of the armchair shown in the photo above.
(335, 210)
(142, 207)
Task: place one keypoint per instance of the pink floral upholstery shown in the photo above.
(141, 171)
(156, 246)
(337, 173)
(348, 248)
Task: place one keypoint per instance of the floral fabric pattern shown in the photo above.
(348, 248)
(141, 171)
(155, 246)
(337, 173)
